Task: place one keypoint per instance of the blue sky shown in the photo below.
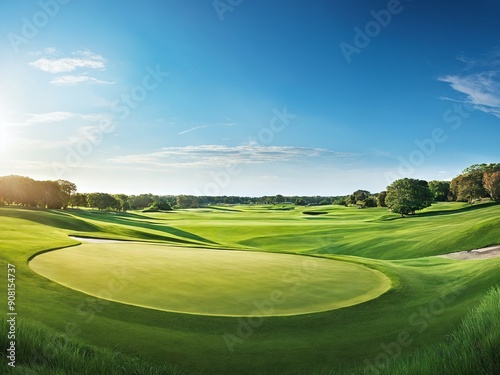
(247, 97)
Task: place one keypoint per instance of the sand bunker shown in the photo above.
(485, 253)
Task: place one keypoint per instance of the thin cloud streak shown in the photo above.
(192, 129)
(68, 80)
(206, 126)
(211, 155)
(60, 116)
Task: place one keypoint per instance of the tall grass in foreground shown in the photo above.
(42, 351)
(472, 349)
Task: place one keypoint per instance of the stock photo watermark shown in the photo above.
(94, 136)
(418, 322)
(222, 178)
(139, 93)
(11, 315)
(87, 311)
(223, 6)
(31, 26)
(363, 36)
(428, 146)
(267, 306)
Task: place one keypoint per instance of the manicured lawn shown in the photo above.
(428, 299)
(210, 282)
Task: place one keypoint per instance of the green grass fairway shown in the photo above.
(210, 282)
(428, 298)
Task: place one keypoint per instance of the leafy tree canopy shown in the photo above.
(407, 195)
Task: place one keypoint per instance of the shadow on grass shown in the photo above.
(223, 209)
(443, 212)
(53, 218)
(456, 211)
(129, 221)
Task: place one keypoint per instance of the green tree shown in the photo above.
(279, 199)
(407, 195)
(360, 195)
(439, 190)
(300, 202)
(492, 184)
(342, 201)
(370, 201)
(471, 187)
(187, 201)
(50, 195)
(123, 202)
(139, 202)
(78, 200)
(103, 201)
(67, 189)
(161, 204)
(454, 185)
(381, 198)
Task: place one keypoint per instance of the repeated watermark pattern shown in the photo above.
(223, 6)
(31, 26)
(87, 311)
(425, 148)
(266, 307)
(363, 36)
(221, 179)
(93, 137)
(418, 322)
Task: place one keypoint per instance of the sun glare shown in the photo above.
(4, 135)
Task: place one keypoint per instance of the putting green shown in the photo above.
(210, 282)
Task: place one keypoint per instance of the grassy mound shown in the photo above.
(302, 344)
(472, 348)
(44, 351)
(210, 282)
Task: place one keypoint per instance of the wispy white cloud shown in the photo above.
(207, 126)
(52, 61)
(482, 90)
(192, 129)
(490, 59)
(49, 117)
(67, 64)
(60, 116)
(69, 80)
(213, 155)
(49, 51)
(481, 83)
(83, 134)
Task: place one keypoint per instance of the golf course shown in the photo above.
(253, 289)
(212, 282)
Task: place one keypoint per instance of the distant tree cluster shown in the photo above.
(361, 199)
(404, 196)
(24, 191)
(266, 199)
(123, 202)
(477, 181)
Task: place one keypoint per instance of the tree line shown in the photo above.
(407, 195)
(404, 196)
(25, 191)
(476, 182)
